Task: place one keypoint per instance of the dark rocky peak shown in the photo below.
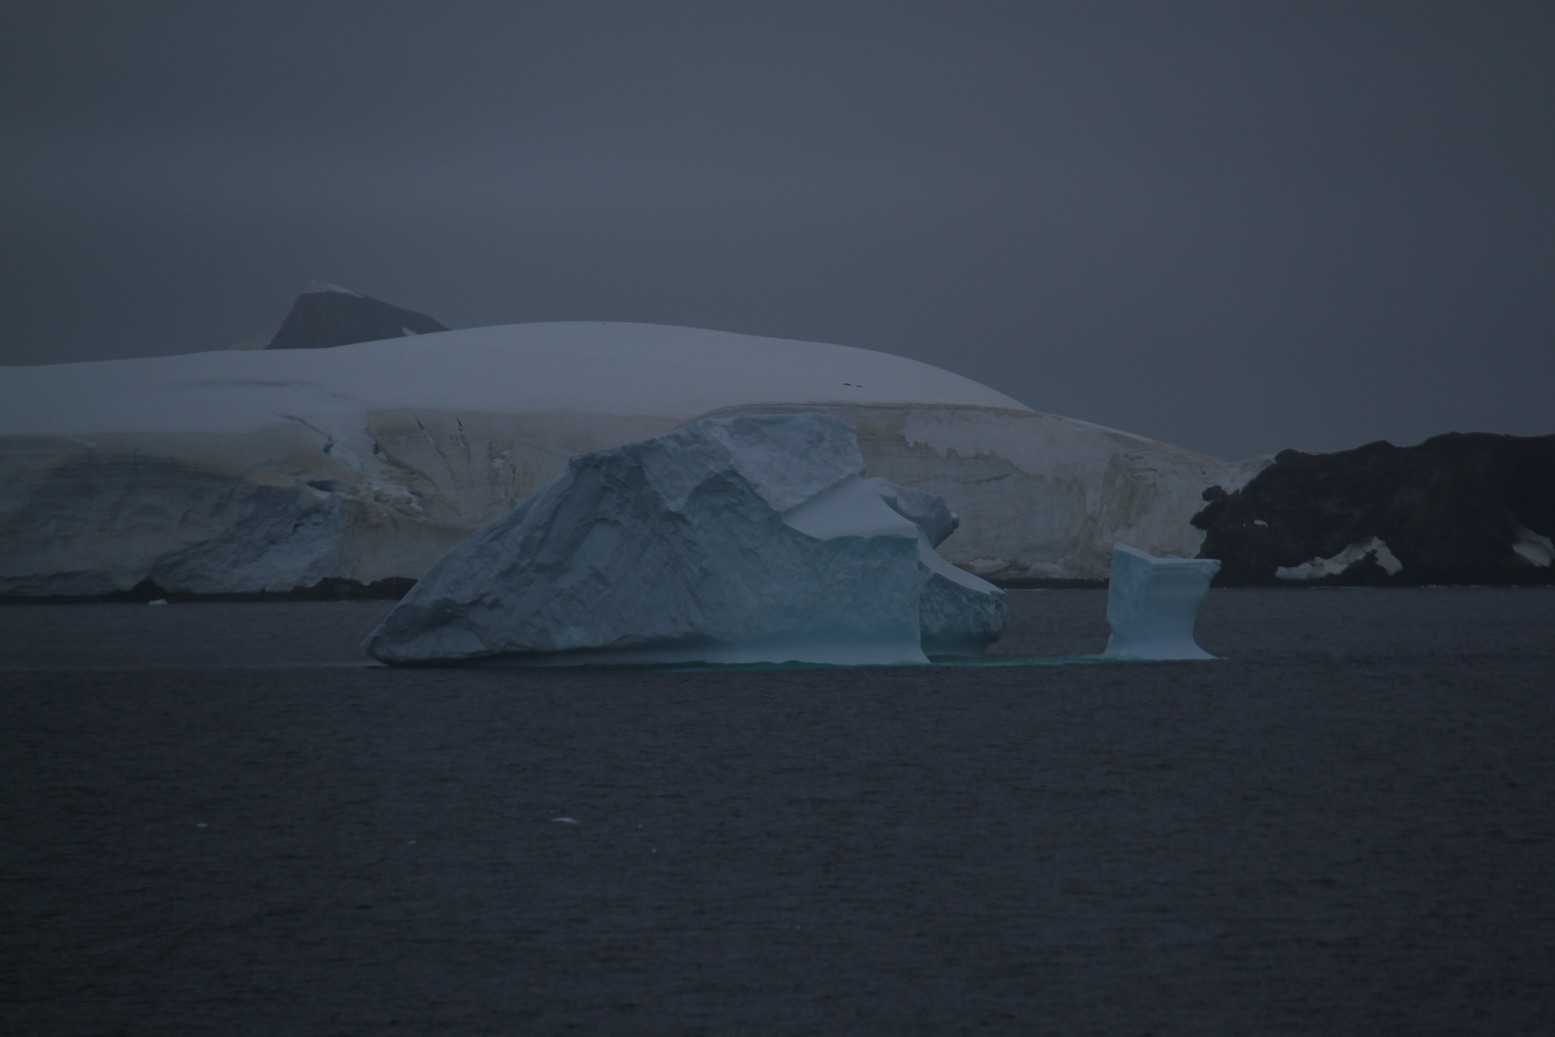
(1458, 508)
(327, 315)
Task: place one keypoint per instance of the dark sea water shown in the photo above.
(219, 820)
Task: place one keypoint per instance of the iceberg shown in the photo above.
(1152, 604)
(729, 540)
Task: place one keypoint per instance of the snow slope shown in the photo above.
(646, 370)
(238, 471)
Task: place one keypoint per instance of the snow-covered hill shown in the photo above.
(241, 471)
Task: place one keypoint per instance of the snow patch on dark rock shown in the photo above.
(1457, 508)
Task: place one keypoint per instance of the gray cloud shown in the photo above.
(1231, 226)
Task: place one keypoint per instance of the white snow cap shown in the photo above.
(575, 367)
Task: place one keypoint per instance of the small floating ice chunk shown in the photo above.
(1152, 604)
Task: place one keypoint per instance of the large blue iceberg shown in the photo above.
(730, 540)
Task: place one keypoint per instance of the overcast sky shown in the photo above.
(1235, 226)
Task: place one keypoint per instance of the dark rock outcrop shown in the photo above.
(1458, 508)
(327, 315)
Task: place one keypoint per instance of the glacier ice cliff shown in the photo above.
(1152, 604)
(729, 540)
(278, 470)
